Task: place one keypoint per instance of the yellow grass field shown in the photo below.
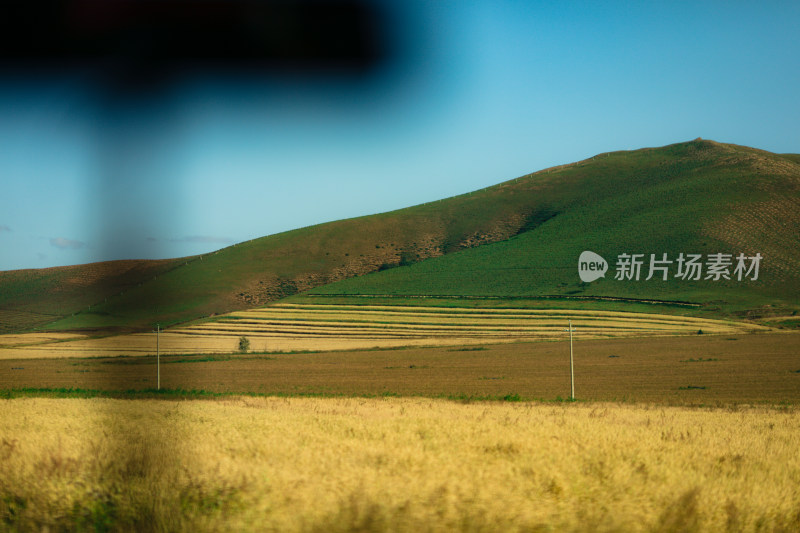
(299, 327)
(23, 339)
(417, 465)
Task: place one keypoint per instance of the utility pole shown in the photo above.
(158, 359)
(571, 367)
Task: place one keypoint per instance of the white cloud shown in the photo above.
(67, 244)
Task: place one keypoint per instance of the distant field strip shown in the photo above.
(380, 322)
(298, 327)
(31, 339)
(436, 325)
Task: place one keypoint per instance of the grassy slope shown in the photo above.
(699, 196)
(34, 297)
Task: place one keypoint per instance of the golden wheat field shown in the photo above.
(297, 327)
(304, 464)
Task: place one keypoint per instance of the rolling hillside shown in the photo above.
(694, 198)
(521, 238)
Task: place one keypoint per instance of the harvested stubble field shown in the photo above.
(394, 464)
(680, 370)
(297, 327)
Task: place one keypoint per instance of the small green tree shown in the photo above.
(244, 344)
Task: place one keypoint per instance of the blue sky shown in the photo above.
(481, 92)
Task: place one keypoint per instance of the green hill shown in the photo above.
(521, 238)
(692, 198)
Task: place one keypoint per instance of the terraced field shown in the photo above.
(316, 327)
(440, 324)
